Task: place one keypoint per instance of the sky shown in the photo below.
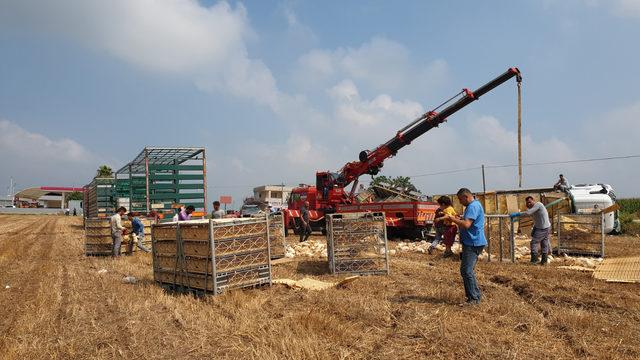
(277, 90)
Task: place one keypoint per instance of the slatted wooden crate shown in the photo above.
(357, 243)
(98, 241)
(277, 238)
(212, 255)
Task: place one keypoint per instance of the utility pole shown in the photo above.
(484, 184)
(519, 134)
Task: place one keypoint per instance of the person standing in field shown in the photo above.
(473, 241)
(305, 227)
(541, 229)
(137, 234)
(445, 229)
(117, 230)
(217, 213)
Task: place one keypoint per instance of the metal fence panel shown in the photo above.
(500, 234)
(357, 243)
(277, 239)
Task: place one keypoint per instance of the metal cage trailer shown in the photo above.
(211, 256)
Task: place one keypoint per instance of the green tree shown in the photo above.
(76, 195)
(104, 171)
(400, 182)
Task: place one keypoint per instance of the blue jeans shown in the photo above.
(469, 257)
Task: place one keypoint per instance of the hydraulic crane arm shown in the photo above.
(371, 161)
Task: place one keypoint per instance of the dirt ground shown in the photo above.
(55, 304)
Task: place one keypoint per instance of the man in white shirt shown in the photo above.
(117, 230)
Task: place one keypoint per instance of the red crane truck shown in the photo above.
(410, 218)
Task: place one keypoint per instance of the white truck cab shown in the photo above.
(592, 198)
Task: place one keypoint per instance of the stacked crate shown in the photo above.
(98, 241)
(100, 198)
(147, 222)
(357, 243)
(211, 255)
(277, 239)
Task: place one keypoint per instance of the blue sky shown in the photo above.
(278, 89)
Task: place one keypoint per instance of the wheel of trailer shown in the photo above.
(324, 231)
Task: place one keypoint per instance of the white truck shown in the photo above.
(592, 198)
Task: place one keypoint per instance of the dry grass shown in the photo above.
(59, 306)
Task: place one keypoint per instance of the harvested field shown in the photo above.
(58, 304)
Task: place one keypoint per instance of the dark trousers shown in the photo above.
(305, 231)
(469, 257)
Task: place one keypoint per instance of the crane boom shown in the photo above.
(370, 162)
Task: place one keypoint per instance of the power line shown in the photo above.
(566, 161)
(447, 172)
(529, 164)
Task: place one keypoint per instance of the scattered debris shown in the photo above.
(309, 248)
(313, 284)
(576, 268)
(129, 280)
(590, 263)
(423, 247)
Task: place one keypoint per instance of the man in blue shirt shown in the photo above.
(137, 234)
(473, 241)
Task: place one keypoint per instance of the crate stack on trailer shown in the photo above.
(211, 256)
(162, 179)
(99, 198)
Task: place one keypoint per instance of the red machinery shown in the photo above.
(329, 195)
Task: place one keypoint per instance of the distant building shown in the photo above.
(46, 197)
(6, 202)
(274, 195)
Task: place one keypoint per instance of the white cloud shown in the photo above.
(16, 141)
(30, 156)
(627, 8)
(205, 45)
(380, 64)
(620, 8)
(352, 109)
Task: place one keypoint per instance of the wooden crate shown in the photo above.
(98, 241)
(212, 255)
(357, 243)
